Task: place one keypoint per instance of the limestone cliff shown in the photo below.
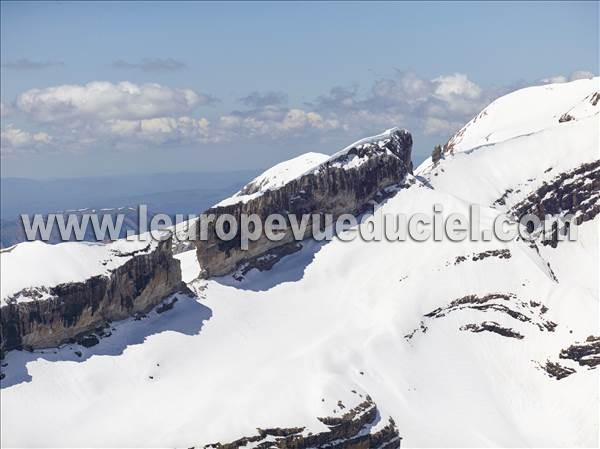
(344, 183)
(53, 315)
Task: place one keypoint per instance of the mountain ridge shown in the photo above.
(462, 344)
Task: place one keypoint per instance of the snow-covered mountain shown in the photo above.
(54, 294)
(73, 261)
(275, 177)
(345, 183)
(355, 344)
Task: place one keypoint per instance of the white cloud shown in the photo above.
(5, 109)
(272, 122)
(128, 116)
(554, 79)
(227, 128)
(102, 100)
(299, 119)
(454, 86)
(415, 87)
(436, 126)
(576, 75)
(437, 106)
(268, 124)
(158, 130)
(457, 85)
(580, 75)
(125, 115)
(12, 139)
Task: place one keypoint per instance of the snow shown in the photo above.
(354, 161)
(379, 138)
(190, 269)
(584, 251)
(333, 317)
(523, 112)
(38, 264)
(519, 163)
(586, 108)
(287, 171)
(276, 177)
(517, 142)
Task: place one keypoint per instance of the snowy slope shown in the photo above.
(585, 108)
(284, 172)
(35, 264)
(275, 177)
(522, 163)
(282, 347)
(518, 143)
(524, 112)
(349, 158)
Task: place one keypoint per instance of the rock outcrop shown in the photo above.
(54, 315)
(528, 312)
(344, 183)
(436, 154)
(556, 370)
(586, 353)
(575, 192)
(352, 430)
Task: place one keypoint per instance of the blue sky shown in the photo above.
(245, 85)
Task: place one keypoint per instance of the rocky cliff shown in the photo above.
(344, 183)
(357, 428)
(42, 316)
(575, 192)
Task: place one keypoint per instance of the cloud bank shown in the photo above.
(577, 75)
(131, 116)
(13, 139)
(102, 100)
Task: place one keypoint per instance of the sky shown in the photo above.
(94, 89)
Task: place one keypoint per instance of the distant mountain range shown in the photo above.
(177, 193)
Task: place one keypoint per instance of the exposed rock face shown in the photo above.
(576, 192)
(586, 353)
(499, 253)
(436, 154)
(492, 326)
(54, 315)
(588, 107)
(556, 370)
(531, 312)
(565, 118)
(352, 430)
(345, 183)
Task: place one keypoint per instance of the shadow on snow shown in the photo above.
(186, 317)
(290, 268)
